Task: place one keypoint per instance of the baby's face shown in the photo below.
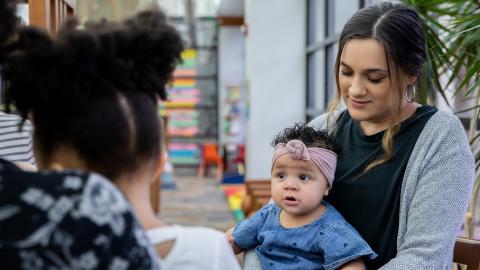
(298, 186)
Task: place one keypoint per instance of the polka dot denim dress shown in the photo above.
(326, 243)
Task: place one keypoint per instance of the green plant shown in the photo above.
(452, 29)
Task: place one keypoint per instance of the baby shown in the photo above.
(299, 230)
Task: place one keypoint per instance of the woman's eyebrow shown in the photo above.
(368, 70)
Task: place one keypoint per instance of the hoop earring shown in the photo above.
(410, 93)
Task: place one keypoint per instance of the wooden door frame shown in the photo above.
(49, 14)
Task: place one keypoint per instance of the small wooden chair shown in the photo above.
(257, 195)
(467, 252)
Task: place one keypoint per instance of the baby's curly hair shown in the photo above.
(309, 136)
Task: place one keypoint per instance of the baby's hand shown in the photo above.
(229, 234)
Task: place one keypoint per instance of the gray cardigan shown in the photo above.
(435, 193)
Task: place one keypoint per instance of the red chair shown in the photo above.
(240, 158)
(210, 156)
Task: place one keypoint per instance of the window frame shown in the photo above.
(327, 43)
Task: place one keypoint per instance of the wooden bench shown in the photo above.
(257, 195)
(467, 252)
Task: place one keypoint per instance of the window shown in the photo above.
(325, 21)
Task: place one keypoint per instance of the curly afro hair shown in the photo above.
(8, 22)
(95, 88)
(309, 136)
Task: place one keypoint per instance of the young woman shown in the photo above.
(406, 179)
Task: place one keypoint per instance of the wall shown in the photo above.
(231, 72)
(112, 10)
(275, 76)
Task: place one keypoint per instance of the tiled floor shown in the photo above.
(196, 201)
(201, 201)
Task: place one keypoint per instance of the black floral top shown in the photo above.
(67, 220)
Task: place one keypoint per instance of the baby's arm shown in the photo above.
(347, 250)
(244, 235)
(235, 247)
(356, 264)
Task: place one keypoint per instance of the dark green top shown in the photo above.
(370, 202)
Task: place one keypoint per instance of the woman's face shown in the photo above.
(364, 82)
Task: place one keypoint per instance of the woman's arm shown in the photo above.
(357, 264)
(251, 261)
(435, 195)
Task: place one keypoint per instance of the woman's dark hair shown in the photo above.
(8, 22)
(309, 136)
(95, 89)
(398, 29)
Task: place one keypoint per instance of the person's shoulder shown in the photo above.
(332, 217)
(326, 120)
(7, 121)
(52, 182)
(442, 116)
(7, 116)
(101, 199)
(269, 210)
(93, 178)
(447, 121)
(200, 230)
(200, 236)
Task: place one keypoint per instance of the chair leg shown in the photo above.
(201, 170)
(219, 173)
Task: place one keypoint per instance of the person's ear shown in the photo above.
(412, 80)
(30, 117)
(159, 165)
(327, 191)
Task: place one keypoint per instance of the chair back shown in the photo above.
(467, 252)
(240, 158)
(210, 153)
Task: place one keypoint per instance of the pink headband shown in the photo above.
(324, 159)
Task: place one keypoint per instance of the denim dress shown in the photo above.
(327, 243)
